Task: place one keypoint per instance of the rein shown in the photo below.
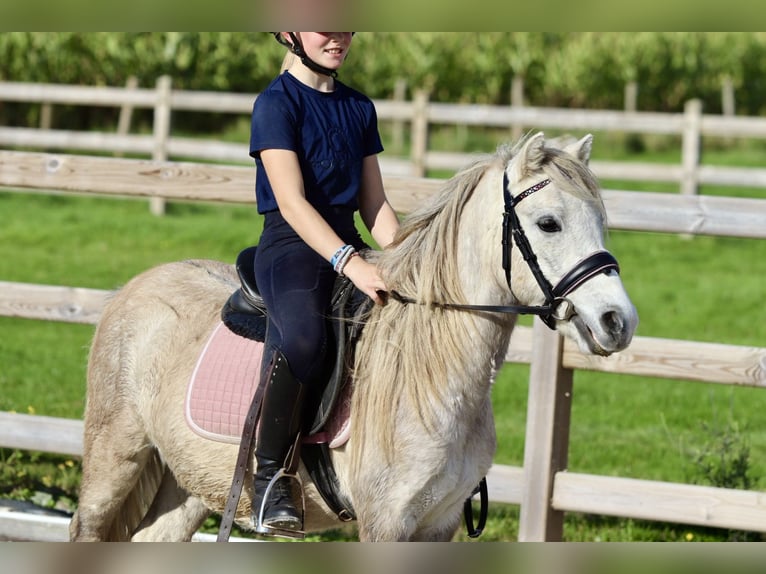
(520, 309)
(555, 297)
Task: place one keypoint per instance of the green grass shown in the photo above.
(706, 289)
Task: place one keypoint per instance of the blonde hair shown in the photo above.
(287, 62)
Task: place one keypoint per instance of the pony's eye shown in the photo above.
(548, 225)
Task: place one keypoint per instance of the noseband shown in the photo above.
(556, 307)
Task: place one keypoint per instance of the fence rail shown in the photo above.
(646, 356)
(420, 113)
(649, 211)
(543, 487)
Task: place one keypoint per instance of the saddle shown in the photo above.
(245, 314)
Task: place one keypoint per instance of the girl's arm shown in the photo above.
(283, 171)
(377, 213)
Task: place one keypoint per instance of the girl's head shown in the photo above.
(321, 52)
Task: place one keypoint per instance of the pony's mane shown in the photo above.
(421, 262)
(421, 259)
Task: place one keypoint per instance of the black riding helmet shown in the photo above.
(297, 48)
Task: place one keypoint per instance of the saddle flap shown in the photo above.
(349, 308)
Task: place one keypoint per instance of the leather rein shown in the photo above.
(555, 297)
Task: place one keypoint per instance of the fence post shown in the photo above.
(517, 101)
(397, 127)
(631, 96)
(690, 149)
(728, 103)
(546, 442)
(419, 137)
(126, 112)
(46, 116)
(161, 132)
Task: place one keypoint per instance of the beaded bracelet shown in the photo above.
(343, 262)
(338, 254)
(341, 257)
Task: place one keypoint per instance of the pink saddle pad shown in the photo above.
(223, 384)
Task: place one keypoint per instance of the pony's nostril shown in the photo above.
(612, 322)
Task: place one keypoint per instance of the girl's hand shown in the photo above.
(367, 279)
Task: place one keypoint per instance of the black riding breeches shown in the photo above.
(296, 284)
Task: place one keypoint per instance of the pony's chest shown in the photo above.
(460, 466)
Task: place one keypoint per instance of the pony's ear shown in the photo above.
(531, 156)
(581, 149)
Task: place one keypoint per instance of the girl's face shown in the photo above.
(328, 49)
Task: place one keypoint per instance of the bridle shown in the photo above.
(556, 306)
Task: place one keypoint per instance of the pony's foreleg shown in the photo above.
(174, 516)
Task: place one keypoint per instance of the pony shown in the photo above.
(422, 428)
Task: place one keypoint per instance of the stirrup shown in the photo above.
(261, 528)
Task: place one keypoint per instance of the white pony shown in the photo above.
(422, 428)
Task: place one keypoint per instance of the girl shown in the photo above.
(315, 142)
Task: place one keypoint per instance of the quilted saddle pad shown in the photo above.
(223, 384)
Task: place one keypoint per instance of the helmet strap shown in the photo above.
(297, 48)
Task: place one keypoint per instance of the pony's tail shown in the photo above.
(138, 501)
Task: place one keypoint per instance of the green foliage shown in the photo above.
(725, 459)
(50, 481)
(584, 69)
(669, 67)
(231, 61)
(720, 457)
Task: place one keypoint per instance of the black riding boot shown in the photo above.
(278, 428)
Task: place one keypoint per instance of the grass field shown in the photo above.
(705, 289)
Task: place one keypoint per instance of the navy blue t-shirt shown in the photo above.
(331, 133)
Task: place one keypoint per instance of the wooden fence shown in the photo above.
(420, 114)
(543, 486)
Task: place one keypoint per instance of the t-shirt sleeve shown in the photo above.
(372, 143)
(273, 124)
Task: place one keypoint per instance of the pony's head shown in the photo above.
(524, 226)
(432, 354)
(556, 206)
